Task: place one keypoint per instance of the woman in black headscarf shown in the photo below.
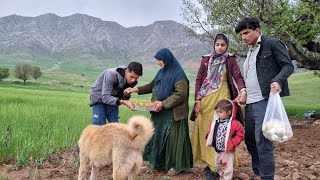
(170, 147)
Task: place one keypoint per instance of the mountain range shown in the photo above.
(80, 36)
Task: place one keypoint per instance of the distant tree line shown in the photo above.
(21, 71)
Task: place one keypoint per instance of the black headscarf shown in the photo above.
(166, 77)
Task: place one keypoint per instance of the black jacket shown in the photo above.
(273, 65)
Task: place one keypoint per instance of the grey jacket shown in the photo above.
(108, 88)
(273, 65)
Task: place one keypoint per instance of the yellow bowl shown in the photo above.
(144, 106)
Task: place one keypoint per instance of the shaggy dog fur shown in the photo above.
(116, 143)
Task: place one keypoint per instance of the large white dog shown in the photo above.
(116, 143)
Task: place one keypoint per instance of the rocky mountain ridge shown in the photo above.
(80, 36)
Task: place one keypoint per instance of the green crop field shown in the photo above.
(37, 122)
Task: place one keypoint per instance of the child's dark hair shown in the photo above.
(247, 23)
(224, 105)
(135, 67)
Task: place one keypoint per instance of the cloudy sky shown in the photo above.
(128, 13)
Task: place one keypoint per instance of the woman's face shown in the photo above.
(220, 46)
(160, 63)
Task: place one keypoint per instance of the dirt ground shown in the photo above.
(299, 158)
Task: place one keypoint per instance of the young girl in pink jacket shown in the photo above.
(225, 134)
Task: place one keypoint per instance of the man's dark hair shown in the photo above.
(247, 23)
(135, 67)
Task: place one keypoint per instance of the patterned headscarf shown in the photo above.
(215, 71)
(166, 77)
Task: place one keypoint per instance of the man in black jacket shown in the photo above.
(266, 69)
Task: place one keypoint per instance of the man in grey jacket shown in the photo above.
(107, 92)
(266, 69)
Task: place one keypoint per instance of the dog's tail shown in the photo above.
(141, 130)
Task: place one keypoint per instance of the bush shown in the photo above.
(4, 73)
(316, 73)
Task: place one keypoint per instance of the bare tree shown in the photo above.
(23, 71)
(36, 72)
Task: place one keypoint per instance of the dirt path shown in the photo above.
(299, 158)
(55, 67)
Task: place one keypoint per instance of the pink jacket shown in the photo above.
(235, 132)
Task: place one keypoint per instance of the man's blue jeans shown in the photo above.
(260, 148)
(101, 112)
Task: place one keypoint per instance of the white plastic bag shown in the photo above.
(276, 125)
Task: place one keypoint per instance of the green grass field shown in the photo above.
(304, 94)
(48, 115)
(37, 122)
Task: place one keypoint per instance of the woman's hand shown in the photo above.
(127, 92)
(242, 99)
(158, 107)
(197, 108)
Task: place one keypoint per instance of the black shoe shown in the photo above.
(207, 169)
(210, 175)
(255, 177)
